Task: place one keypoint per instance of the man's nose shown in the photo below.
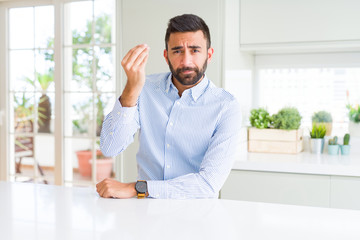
(186, 58)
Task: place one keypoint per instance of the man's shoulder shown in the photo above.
(156, 78)
(220, 94)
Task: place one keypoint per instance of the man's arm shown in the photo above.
(215, 167)
(134, 64)
(122, 123)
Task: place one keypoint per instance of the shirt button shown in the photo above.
(124, 114)
(111, 133)
(177, 103)
(168, 166)
(171, 124)
(168, 145)
(157, 195)
(118, 113)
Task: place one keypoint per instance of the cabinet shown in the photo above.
(345, 192)
(285, 188)
(293, 188)
(298, 22)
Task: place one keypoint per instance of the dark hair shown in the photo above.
(187, 23)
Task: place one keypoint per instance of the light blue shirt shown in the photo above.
(187, 143)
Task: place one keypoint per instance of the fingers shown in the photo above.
(135, 57)
(103, 188)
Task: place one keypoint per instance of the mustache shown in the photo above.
(179, 70)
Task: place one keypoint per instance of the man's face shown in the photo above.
(187, 56)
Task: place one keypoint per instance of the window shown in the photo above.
(89, 64)
(86, 83)
(32, 100)
(311, 85)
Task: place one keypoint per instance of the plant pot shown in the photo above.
(333, 149)
(317, 145)
(103, 166)
(354, 129)
(345, 149)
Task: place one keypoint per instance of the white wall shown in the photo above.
(146, 21)
(238, 66)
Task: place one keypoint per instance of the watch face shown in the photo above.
(141, 187)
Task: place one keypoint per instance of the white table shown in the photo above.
(30, 211)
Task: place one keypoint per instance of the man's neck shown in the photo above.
(181, 88)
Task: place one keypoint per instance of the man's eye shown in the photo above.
(196, 51)
(177, 51)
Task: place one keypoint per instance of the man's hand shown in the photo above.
(134, 64)
(110, 188)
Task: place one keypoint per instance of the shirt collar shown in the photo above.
(195, 91)
(200, 88)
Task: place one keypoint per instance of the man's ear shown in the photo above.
(210, 54)
(166, 56)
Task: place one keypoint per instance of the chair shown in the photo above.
(24, 147)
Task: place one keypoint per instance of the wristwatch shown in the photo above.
(141, 188)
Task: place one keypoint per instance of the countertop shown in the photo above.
(34, 211)
(304, 163)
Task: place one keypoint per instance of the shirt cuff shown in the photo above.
(157, 189)
(122, 114)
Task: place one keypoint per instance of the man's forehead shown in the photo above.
(189, 38)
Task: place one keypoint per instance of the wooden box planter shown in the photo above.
(275, 140)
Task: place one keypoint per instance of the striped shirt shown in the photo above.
(187, 143)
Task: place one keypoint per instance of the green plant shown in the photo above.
(354, 113)
(287, 118)
(333, 141)
(346, 139)
(82, 58)
(354, 110)
(318, 131)
(260, 118)
(321, 116)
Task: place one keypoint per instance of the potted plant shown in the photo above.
(260, 118)
(103, 164)
(345, 148)
(317, 135)
(287, 118)
(333, 147)
(354, 117)
(279, 133)
(325, 118)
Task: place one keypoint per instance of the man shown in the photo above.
(188, 127)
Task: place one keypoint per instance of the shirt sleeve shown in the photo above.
(215, 166)
(118, 129)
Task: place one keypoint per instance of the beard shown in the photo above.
(188, 79)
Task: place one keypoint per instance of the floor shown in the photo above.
(27, 175)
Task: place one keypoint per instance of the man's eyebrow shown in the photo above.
(181, 47)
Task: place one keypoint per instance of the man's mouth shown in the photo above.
(187, 71)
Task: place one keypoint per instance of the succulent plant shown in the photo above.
(318, 131)
(287, 118)
(346, 139)
(333, 141)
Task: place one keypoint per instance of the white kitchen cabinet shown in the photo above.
(272, 187)
(298, 22)
(345, 192)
